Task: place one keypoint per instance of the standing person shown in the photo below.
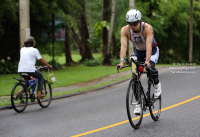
(142, 36)
(62, 32)
(28, 57)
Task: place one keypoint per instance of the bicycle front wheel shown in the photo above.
(19, 97)
(47, 91)
(133, 98)
(155, 108)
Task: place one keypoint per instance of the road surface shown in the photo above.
(103, 113)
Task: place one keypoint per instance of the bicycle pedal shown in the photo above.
(32, 96)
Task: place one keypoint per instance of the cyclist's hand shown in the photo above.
(148, 65)
(49, 66)
(121, 65)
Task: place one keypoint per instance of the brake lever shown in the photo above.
(145, 65)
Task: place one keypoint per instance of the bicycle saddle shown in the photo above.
(26, 76)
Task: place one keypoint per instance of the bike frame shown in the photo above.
(32, 84)
(137, 95)
(136, 76)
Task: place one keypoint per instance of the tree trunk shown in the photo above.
(76, 39)
(67, 48)
(115, 48)
(106, 16)
(86, 51)
(191, 31)
(53, 38)
(111, 25)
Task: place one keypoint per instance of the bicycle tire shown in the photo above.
(155, 108)
(47, 91)
(19, 101)
(134, 120)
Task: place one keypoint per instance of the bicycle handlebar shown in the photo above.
(40, 67)
(132, 58)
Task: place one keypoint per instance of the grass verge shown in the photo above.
(5, 100)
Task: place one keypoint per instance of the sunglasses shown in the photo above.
(133, 23)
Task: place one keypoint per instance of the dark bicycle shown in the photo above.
(24, 90)
(136, 94)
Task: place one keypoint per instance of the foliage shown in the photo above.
(169, 18)
(175, 24)
(170, 21)
(91, 62)
(96, 34)
(48, 48)
(8, 67)
(7, 12)
(9, 29)
(115, 62)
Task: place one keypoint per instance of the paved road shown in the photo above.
(103, 113)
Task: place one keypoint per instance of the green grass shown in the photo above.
(80, 73)
(67, 76)
(93, 86)
(6, 83)
(75, 57)
(6, 100)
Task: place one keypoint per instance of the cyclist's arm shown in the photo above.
(123, 40)
(44, 62)
(149, 38)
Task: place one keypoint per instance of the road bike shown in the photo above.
(136, 94)
(24, 90)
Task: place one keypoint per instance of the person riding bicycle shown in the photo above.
(142, 36)
(28, 56)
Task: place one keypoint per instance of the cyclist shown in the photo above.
(142, 36)
(28, 56)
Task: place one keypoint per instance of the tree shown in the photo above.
(153, 5)
(9, 29)
(83, 29)
(191, 31)
(106, 17)
(111, 25)
(66, 8)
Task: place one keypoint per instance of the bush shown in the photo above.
(7, 67)
(90, 62)
(115, 62)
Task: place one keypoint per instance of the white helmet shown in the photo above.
(133, 15)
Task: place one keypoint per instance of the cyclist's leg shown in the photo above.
(153, 60)
(37, 74)
(154, 72)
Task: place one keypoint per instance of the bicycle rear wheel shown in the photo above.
(19, 97)
(47, 91)
(133, 98)
(155, 108)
